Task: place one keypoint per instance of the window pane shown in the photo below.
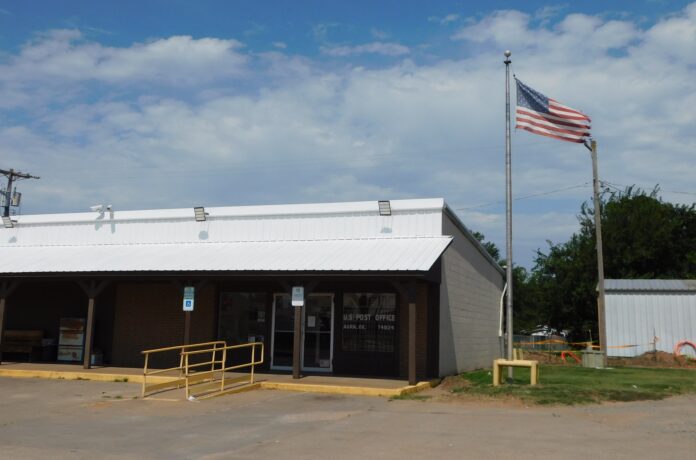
(369, 322)
(242, 317)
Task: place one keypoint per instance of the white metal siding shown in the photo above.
(138, 227)
(634, 318)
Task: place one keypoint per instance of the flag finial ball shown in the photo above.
(508, 53)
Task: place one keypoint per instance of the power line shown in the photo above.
(523, 197)
(241, 167)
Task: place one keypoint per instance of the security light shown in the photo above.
(200, 214)
(384, 208)
(8, 222)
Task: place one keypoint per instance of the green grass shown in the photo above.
(578, 385)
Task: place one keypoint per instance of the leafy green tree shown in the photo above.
(489, 246)
(643, 237)
(525, 292)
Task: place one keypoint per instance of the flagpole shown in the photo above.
(508, 210)
(601, 320)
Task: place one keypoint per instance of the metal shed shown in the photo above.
(648, 315)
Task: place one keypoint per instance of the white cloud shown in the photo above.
(65, 56)
(447, 19)
(379, 34)
(383, 48)
(346, 187)
(547, 12)
(295, 129)
(280, 45)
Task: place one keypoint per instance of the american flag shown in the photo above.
(539, 114)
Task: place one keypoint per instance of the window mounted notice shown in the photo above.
(369, 322)
(242, 317)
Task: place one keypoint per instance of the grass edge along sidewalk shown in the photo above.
(577, 385)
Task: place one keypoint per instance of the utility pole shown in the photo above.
(601, 319)
(12, 175)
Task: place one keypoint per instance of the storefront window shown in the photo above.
(369, 322)
(242, 317)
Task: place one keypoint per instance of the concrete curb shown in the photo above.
(266, 385)
(100, 377)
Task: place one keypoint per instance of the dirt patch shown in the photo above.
(545, 357)
(657, 359)
(445, 392)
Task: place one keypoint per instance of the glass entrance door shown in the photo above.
(317, 333)
(317, 342)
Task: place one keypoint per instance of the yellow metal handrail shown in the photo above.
(191, 376)
(216, 345)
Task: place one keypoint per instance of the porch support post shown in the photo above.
(412, 333)
(297, 344)
(187, 327)
(198, 287)
(297, 335)
(89, 339)
(2, 321)
(93, 289)
(6, 288)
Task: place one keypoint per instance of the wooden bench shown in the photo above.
(27, 342)
(499, 364)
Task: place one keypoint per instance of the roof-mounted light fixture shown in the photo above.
(8, 222)
(384, 208)
(200, 214)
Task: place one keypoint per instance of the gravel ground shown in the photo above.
(82, 419)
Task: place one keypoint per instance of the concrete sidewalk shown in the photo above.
(272, 381)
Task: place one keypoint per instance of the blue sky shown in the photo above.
(175, 104)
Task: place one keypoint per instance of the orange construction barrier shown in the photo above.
(571, 354)
(678, 346)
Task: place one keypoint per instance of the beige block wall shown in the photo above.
(469, 306)
(150, 316)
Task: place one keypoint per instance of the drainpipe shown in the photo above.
(500, 323)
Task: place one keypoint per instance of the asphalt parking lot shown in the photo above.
(84, 419)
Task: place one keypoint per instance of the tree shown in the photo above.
(489, 246)
(525, 293)
(643, 237)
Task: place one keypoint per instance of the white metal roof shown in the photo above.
(649, 285)
(375, 254)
